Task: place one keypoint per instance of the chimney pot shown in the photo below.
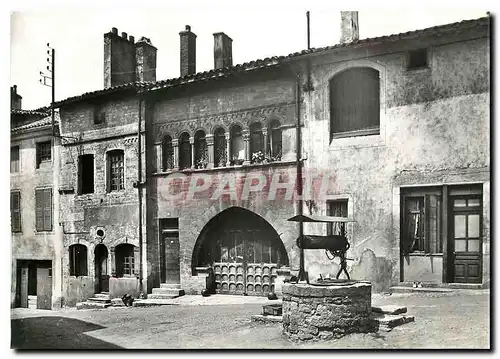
(188, 51)
(188, 28)
(114, 30)
(223, 50)
(124, 35)
(131, 39)
(119, 59)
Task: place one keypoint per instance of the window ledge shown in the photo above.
(362, 138)
(422, 254)
(39, 233)
(357, 133)
(416, 70)
(227, 168)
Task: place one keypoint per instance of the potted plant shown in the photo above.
(237, 161)
(201, 164)
(258, 157)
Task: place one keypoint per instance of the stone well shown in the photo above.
(319, 312)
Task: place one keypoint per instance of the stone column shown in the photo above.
(175, 145)
(228, 148)
(210, 149)
(246, 140)
(159, 157)
(264, 135)
(191, 142)
(113, 261)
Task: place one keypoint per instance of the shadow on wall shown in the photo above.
(79, 290)
(377, 270)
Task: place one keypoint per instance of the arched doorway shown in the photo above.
(101, 268)
(244, 251)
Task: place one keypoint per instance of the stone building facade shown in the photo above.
(162, 181)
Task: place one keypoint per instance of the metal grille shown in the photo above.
(116, 177)
(200, 152)
(220, 149)
(43, 152)
(168, 154)
(185, 152)
(128, 265)
(337, 208)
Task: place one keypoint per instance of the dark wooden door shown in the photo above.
(23, 287)
(467, 239)
(44, 288)
(101, 268)
(172, 265)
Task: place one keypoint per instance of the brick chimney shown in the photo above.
(15, 98)
(188, 52)
(223, 50)
(119, 59)
(145, 59)
(349, 26)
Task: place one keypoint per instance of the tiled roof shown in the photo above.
(44, 122)
(38, 112)
(276, 60)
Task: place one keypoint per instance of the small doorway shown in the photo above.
(34, 284)
(467, 239)
(101, 268)
(170, 247)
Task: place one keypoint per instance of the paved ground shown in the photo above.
(445, 320)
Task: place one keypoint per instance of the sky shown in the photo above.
(76, 33)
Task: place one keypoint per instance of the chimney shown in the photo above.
(119, 59)
(223, 50)
(349, 28)
(145, 60)
(188, 52)
(15, 98)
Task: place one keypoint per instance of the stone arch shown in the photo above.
(216, 126)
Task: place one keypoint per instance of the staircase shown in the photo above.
(161, 296)
(100, 301)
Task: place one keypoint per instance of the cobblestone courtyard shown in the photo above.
(460, 319)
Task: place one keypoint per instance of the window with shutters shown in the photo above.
(78, 260)
(336, 208)
(116, 177)
(220, 148)
(14, 159)
(15, 211)
(43, 153)
(85, 174)
(43, 209)
(355, 103)
(184, 151)
(168, 153)
(125, 260)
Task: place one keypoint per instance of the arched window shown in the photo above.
(256, 142)
(78, 260)
(355, 102)
(125, 260)
(200, 150)
(220, 148)
(237, 145)
(184, 151)
(168, 153)
(116, 174)
(274, 140)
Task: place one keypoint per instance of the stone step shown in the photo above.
(267, 318)
(99, 300)
(170, 286)
(401, 289)
(102, 295)
(389, 309)
(162, 296)
(388, 321)
(92, 305)
(169, 291)
(424, 284)
(150, 302)
(463, 285)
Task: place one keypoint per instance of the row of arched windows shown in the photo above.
(228, 149)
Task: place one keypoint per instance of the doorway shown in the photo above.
(34, 284)
(101, 268)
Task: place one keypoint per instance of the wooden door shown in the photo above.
(23, 287)
(466, 225)
(172, 263)
(44, 288)
(101, 268)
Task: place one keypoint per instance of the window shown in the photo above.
(43, 209)
(43, 152)
(116, 181)
(78, 260)
(99, 115)
(274, 139)
(184, 151)
(237, 145)
(417, 59)
(14, 159)
(167, 153)
(125, 261)
(15, 211)
(220, 148)
(200, 150)
(85, 174)
(256, 140)
(421, 232)
(336, 208)
(355, 103)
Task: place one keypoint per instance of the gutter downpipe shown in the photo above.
(139, 189)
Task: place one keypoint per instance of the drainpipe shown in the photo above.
(302, 274)
(139, 188)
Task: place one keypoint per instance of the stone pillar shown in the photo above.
(191, 143)
(136, 261)
(210, 149)
(113, 261)
(175, 145)
(159, 157)
(246, 140)
(264, 135)
(228, 148)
